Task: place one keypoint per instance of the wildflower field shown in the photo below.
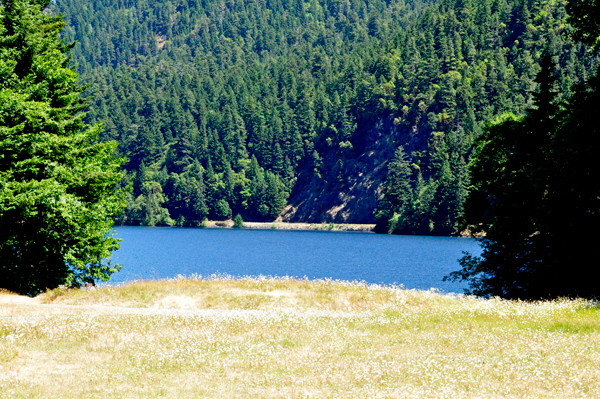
(286, 338)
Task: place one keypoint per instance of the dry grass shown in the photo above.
(300, 339)
(222, 292)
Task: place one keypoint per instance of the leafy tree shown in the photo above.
(533, 199)
(583, 16)
(238, 222)
(57, 182)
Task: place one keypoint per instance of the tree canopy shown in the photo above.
(320, 93)
(534, 193)
(57, 182)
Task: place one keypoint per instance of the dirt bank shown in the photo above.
(295, 226)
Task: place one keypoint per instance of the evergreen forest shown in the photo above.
(356, 111)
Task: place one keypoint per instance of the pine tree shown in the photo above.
(57, 183)
(397, 196)
(430, 76)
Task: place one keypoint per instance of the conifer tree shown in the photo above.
(57, 182)
(307, 99)
(397, 195)
(533, 200)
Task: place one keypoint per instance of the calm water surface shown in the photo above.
(413, 261)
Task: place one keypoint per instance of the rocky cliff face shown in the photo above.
(354, 199)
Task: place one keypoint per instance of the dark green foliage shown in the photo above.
(304, 88)
(238, 222)
(396, 202)
(583, 16)
(469, 63)
(533, 199)
(57, 196)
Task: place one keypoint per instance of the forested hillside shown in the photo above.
(226, 107)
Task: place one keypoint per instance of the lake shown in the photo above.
(412, 261)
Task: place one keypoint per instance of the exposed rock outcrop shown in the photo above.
(326, 199)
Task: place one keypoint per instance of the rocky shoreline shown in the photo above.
(228, 224)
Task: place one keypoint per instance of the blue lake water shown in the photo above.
(413, 261)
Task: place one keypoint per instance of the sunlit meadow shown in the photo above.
(286, 338)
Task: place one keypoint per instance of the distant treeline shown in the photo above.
(220, 105)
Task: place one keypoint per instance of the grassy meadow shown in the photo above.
(286, 338)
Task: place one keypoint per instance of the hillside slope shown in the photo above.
(353, 199)
(248, 107)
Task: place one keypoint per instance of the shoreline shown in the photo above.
(228, 224)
